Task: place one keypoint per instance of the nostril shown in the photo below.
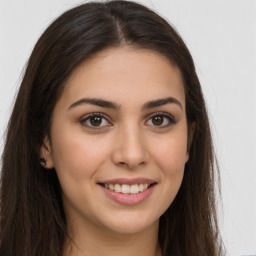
(123, 164)
(131, 165)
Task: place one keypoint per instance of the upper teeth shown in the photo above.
(127, 189)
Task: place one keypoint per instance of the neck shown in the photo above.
(91, 241)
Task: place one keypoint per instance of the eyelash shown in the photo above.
(88, 118)
(170, 119)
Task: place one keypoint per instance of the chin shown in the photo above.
(129, 224)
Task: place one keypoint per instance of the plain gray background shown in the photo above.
(221, 36)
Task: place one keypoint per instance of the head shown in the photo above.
(78, 38)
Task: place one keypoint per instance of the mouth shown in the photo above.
(126, 188)
(128, 191)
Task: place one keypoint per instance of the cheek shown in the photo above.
(171, 154)
(77, 159)
(172, 163)
(170, 158)
(77, 156)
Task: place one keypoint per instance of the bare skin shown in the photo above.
(121, 116)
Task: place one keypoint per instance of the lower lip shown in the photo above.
(129, 199)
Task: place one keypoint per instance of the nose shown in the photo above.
(130, 149)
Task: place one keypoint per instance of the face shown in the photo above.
(119, 140)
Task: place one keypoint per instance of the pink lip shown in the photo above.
(127, 181)
(128, 199)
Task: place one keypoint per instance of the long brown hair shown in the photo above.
(32, 218)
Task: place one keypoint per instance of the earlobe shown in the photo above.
(187, 157)
(45, 154)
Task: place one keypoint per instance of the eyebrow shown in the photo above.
(161, 102)
(97, 102)
(113, 105)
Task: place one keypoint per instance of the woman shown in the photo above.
(109, 150)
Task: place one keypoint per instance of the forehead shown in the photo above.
(125, 73)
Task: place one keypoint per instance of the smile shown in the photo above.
(127, 189)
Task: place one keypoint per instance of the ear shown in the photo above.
(191, 132)
(46, 154)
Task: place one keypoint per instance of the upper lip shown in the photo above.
(128, 181)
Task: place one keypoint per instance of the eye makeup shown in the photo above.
(99, 120)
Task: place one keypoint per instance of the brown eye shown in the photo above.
(95, 121)
(157, 120)
(161, 120)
